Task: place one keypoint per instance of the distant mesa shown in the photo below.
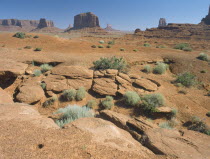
(44, 23)
(162, 22)
(137, 30)
(206, 20)
(110, 29)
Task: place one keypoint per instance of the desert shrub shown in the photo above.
(27, 47)
(160, 68)
(198, 125)
(174, 112)
(181, 46)
(147, 69)
(208, 114)
(45, 67)
(101, 42)
(203, 56)
(36, 36)
(91, 104)
(43, 85)
(122, 49)
(50, 101)
(107, 103)
(100, 46)
(72, 113)
(182, 91)
(111, 63)
(187, 49)
(108, 46)
(203, 71)
(151, 101)
(147, 45)
(38, 49)
(165, 125)
(69, 95)
(131, 98)
(186, 79)
(135, 50)
(94, 46)
(111, 42)
(37, 72)
(81, 94)
(20, 35)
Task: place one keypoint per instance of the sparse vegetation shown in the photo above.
(36, 36)
(69, 95)
(111, 42)
(199, 125)
(203, 71)
(100, 46)
(182, 91)
(91, 104)
(72, 113)
(203, 57)
(147, 69)
(131, 98)
(111, 63)
(174, 112)
(122, 49)
(38, 49)
(50, 101)
(108, 46)
(81, 94)
(94, 46)
(27, 47)
(37, 73)
(101, 42)
(187, 49)
(182, 46)
(135, 50)
(151, 101)
(147, 45)
(165, 125)
(20, 35)
(45, 67)
(208, 114)
(107, 103)
(160, 68)
(186, 79)
(43, 85)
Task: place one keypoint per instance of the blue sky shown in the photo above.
(122, 14)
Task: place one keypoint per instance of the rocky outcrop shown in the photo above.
(5, 97)
(162, 22)
(137, 31)
(86, 20)
(110, 29)
(44, 23)
(206, 20)
(162, 141)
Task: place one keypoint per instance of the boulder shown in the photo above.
(5, 97)
(30, 94)
(146, 84)
(105, 86)
(73, 72)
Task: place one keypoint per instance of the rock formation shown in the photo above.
(206, 20)
(86, 20)
(162, 22)
(137, 30)
(110, 29)
(44, 23)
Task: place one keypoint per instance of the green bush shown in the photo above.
(122, 49)
(94, 46)
(108, 46)
(135, 50)
(147, 69)
(27, 47)
(107, 103)
(45, 67)
(43, 85)
(111, 63)
(38, 49)
(186, 79)
(50, 101)
(20, 35)
(101, 42)
(72, 113)
(160, 68)
(100, 46)
(36, 36)
(203, 71)
(91, 104)
(69, 95)
(199, 125)
(37, 73)
(187, 49)
(174, 112)
(147, 45)
(165, 125)
(81, 94)
(203, 56)
(111, 42)
(131, 98)
(181, 46)
(208, 114)
(151, 101)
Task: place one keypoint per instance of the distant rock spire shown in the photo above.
(162, 22)
(206, 20)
